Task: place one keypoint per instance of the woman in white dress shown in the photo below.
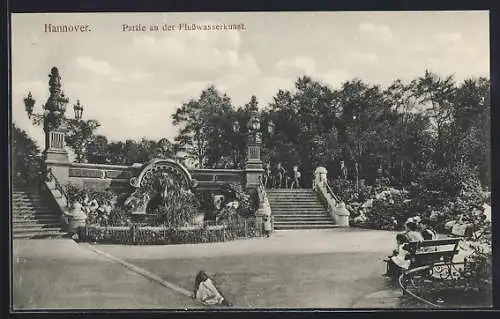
(206, 292)
(398, 262)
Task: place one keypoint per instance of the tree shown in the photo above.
(436, 95)
(96, 151)
(470, 142)
(26, 159)
(204, 122)
(79, 134)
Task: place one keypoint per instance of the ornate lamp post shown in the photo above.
(52, 117)
(78, 108)
(254, 166)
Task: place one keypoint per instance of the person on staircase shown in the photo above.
(296, 177)
(281, 173)
(267, 173)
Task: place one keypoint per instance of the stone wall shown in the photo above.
(93, 176)
(100, 177)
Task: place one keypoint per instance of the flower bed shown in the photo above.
(148, 235)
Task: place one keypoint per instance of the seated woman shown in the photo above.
(412, 233)
(206, 292)
(361, 217)
(397, 262)
(426, 230)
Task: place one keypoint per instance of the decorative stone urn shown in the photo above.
(342, 215)
(320, 177)
(76, 218)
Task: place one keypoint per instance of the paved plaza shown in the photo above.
(330, 268)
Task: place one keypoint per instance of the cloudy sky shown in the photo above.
(133, 81)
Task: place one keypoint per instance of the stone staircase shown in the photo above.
(298, 209)
(32, 216)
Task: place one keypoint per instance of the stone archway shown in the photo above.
(155, 180)
(163, 166)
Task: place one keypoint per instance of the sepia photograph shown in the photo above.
(250, 160)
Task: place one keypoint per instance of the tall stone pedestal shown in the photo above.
(55, 147)
(254, 168)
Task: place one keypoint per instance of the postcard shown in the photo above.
(250, 160)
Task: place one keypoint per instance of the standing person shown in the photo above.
(281, 174)
(268, 226)
(296, 176)
(343, 170)
(267, 173)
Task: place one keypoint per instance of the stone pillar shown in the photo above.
(254, 168)
(55, 146)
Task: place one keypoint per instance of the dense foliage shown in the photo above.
(135, 235)
(26, 158)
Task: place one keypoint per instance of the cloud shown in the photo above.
(448, 38)
(380, 32)
(99, 67)
(192, 56)
(421, 48)
(369, 58)
(334, 77)
(298, 64)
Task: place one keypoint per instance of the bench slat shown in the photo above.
(437, 242)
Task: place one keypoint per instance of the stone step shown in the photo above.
(285, 198)
(292, 195)
(26, 195)
(296, 204)
(35, 229)
(300, 214)
(33, 212)
(297, 190)
(304, 219)
(301, 199)
(36, 226)
(304, 226)
(28, 203)
(294, 201)
(43, 218)
(36, 235)
(21, 207)
(309, 222)
(294, 211)
(37, 217)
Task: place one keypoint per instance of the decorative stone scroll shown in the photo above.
(164, 172)
(158, 166)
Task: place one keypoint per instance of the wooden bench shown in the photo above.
(430, 252)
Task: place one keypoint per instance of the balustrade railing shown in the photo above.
(330, 191)
(52, 178)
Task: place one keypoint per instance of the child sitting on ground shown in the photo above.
(397, 262)
(206, 292)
